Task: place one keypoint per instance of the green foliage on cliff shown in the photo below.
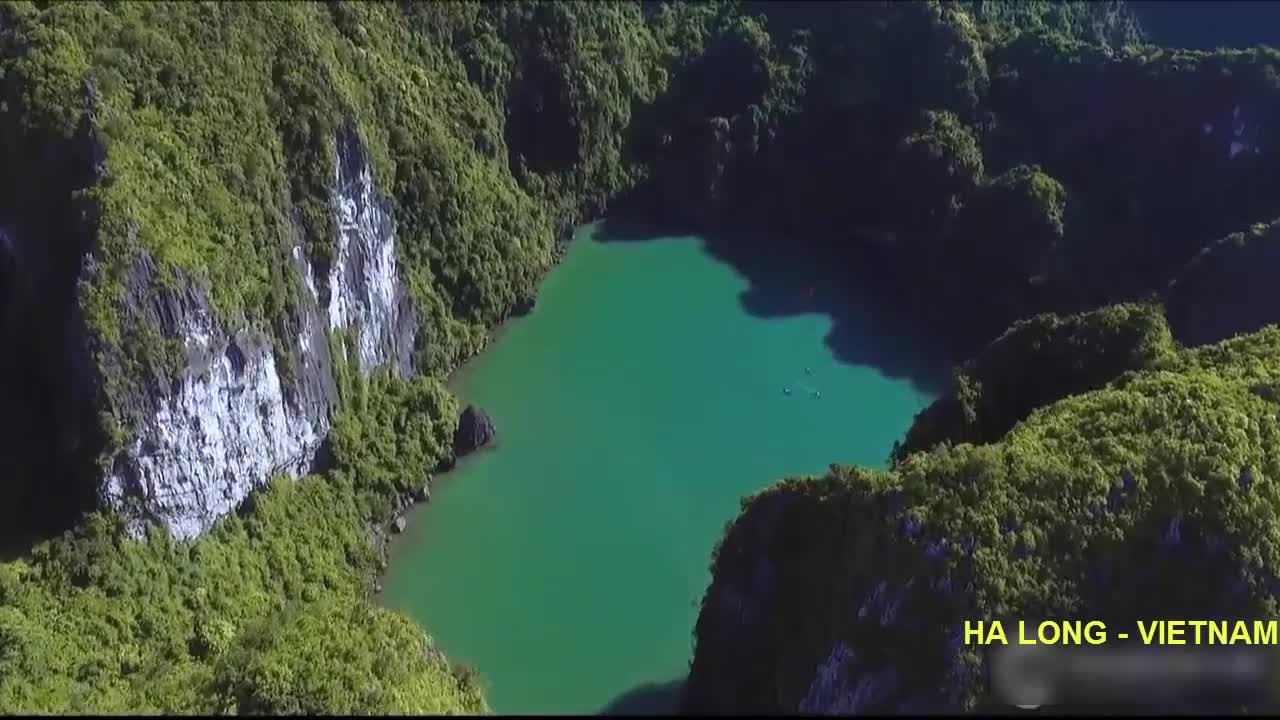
(487, 126)
(1164, 161)
(946, 152)
(1235, 273)
(576, 72)
(1156, 496)
(219, 122)
(1009, 237)
(1091, 144)
(1098, 22)
(488, 129)
(266, 613)
(339, 657)
(1186, 439)
(389, 430)
(993, 151)
(1143, 179)
(1035, 363)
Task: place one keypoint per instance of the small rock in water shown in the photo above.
(423, 493)
(377, 588)
(399, 524)
(475, 430)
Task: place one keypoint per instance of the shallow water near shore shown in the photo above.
(653, 386)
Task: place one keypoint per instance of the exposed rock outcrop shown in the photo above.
(203, 440)
(423, 493)
(475, 430)
(232, 417)
(364, 288)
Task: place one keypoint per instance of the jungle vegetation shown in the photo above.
(1154, 495)
(1001, 162)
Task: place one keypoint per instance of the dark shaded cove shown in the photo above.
(794, 277)
(649, 699)
(50, 436)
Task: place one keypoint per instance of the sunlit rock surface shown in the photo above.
(233, 417)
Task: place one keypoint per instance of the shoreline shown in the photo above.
(407, 506)
(420, 590)
(390, 544)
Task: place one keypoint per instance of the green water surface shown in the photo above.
(635, 406)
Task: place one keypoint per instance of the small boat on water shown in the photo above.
(786, 391)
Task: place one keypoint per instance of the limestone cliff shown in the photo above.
(231, 418)
(204, 430)
(194, 220)
(1151, 497)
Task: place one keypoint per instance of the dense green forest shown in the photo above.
(201, 135)
(267, 613)
(1005, 163)
(1006, 169)
(1154, 496)
(1036, 362)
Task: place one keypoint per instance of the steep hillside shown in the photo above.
(1155, 496)
(217, 188)
(999, 160)
(1035, 363)
(1079, 466)
(242, 243)
(1227, 288)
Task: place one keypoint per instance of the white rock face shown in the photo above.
(364, 282)
(226, 430)
(230, 424)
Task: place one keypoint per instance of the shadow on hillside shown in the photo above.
(788, 277)
(650, 699)
(1208, 24)
(16, 546)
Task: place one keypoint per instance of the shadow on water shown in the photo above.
(650, 699)
(794, 277)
